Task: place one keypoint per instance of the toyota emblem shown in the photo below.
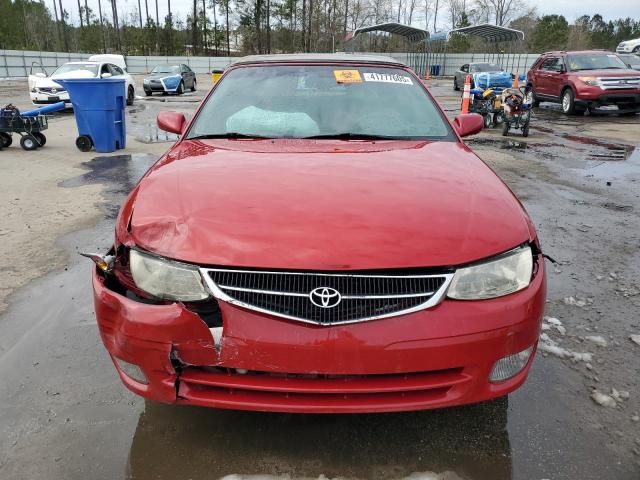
(325, 297)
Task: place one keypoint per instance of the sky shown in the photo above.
(571, 9)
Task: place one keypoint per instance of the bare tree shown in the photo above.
(435, 16)
(80, 13)
(64, 27)
(194, 28)
(503, 10)
(227, 13)
(304, 25)
(140, 13)
(104, 41)
(411, 8)
(205, 43)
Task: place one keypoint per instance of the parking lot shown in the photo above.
(64, 413)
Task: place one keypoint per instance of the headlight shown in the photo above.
(166, 279)
(145, 81)
(503, 275)
(593, 81)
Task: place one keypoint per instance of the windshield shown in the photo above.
(632, 60)
(166, 69)
(594, 62)
(485, 67)
(320, 101)
(74, 67)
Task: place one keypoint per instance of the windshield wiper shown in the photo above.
(353, 136)
(227, 135)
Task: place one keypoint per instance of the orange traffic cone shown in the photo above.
(427, 75)
(516, 82)
(466, 95)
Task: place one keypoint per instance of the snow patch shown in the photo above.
(553, 321)
(599, 340)
(603, 399)
(635, 339)
(550, 346)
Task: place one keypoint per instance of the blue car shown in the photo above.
(170, 79)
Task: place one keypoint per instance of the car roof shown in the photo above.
(83, 63)
(573, 52)
(319, 58)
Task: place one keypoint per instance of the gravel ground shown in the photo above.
(64, 414)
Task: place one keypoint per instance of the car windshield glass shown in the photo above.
(487, 67)
(594, 62)
(74, 67)
(632, 60)
(166, 69)
(345, 101)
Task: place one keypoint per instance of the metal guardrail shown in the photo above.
(17, 63)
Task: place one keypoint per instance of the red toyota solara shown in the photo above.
(319, 239)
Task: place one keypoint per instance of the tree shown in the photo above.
(551, 33)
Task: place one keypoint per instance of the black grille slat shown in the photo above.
(299, 306)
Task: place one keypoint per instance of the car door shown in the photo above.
(462, 73)
(549, 77)
(188, 75)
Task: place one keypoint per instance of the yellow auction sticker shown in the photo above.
(347, 76)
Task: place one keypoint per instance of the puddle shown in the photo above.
(119, 174)
(502, 144)
(582, 148)
(629, 169)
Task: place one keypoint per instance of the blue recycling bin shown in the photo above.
(99, 108)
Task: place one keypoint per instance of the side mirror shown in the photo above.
(105, 75)
(41, 75)
(468, 124)
(172, 122)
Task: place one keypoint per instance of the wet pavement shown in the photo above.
(65, 415)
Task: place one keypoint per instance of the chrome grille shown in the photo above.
(619, 83)
(50, 90)
(361, 296)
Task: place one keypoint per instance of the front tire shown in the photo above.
(131, 95)
(5, 140)
(535, 103)
(194, 86)
(180, 90)
(568, 102)
(637, 49)
(505, 129)
(148, 93)
(29, 142)
(455, 84)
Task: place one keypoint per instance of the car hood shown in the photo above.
(49, 82)
(158, 76)
(323, 205)
(622, 72)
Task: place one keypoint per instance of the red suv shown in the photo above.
(583, 80)
(321, 240)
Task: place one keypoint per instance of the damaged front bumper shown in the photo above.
(429, 359)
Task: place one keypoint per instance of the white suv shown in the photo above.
(629, 46)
